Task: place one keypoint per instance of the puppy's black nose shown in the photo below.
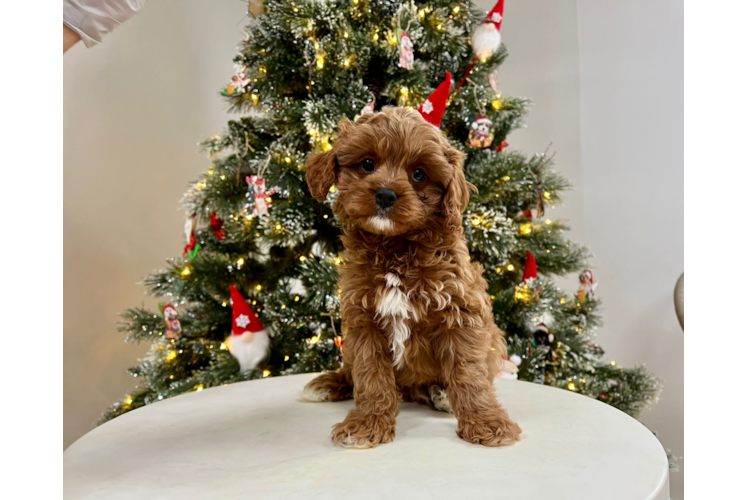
(385, 197)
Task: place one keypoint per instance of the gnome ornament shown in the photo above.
(587, 288)
(434, 106)
(510, 367)
(481, 133)
(173, 326)
(486, 38)
(405, 47)
(529, 288)
(249, 341)
(259, 195)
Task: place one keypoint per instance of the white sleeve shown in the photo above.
(92, 19)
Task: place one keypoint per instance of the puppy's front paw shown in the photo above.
(363, 431)
(493, 428)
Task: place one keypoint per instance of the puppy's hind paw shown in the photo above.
(439, 399)
(363, 431)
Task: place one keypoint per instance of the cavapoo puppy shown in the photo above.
(418, 319)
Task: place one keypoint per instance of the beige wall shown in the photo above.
(136, 106)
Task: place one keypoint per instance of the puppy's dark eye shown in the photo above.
(419, 175)
(367, 165)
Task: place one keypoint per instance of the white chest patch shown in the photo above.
(393, 304)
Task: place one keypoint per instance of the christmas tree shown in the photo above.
(255, 234)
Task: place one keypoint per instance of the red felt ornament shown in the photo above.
(502, 146)
(216, 225)
(434, 106)
(249, 340)
(531, 269)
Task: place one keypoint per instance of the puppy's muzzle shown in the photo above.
(385, 197)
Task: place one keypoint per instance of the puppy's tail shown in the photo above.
(330, 386)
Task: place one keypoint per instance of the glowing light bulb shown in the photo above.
(223, 177)
(456, 9)
(376, 36)
(186, 271)
(199, 388)
(223, 304)
(302, 258)
(571, 386)
(296, 299)
(171, 355)
(404, 91)
(288, 159)
(240, 262)
(562, 300)
(312, 131)
(265, 373)
(223, 346)
(421, 13)
(128, 400)
(510, 267)
(286, 358)
(547, 195)
(332, 189)
(258, 288)
(320, 63)
(345, 34)
(613, 363)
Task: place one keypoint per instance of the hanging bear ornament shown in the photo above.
(366, 110)
(405, 47)
(192, 246)
(481, 133)
(238, 85)
(173, 326)
(587, 292)
(259, 196)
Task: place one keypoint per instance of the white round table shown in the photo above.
(259, 439)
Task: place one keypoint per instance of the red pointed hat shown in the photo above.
(496, 15)
(434, 106)
(243, 318)
(531, 268)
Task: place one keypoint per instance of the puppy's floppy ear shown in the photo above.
(457, 192)
(320, 173)
(322, 167)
